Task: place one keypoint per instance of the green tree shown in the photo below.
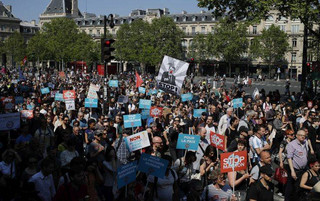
(229, 42)
(199, 48)
(61, 41)
(147, 43)
(271, 45)
(15, 47)
(307, 11)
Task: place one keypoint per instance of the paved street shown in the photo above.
(268, 85)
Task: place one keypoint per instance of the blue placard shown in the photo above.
(18, 99)
(113, 83)
(132, 120)
(145, 114)
(190, 142)
(238, 102)
(152, 91)
(152, 165)
(58, 97)
(45, 90)
(50, 85)
(144, 104)
(186, 97)
(126, 174)
(89, 102)
(197, 112)
(142, 90)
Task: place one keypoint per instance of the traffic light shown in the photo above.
(309, 66)
(106, 49)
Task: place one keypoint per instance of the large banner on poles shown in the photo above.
(172, 74)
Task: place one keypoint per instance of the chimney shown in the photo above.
(184, 12)
(74, 10)
(9, 8)
(33, 22)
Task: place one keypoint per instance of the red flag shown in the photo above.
(24, 61)
(139, 80)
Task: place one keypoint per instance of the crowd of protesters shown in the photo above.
(61, 154)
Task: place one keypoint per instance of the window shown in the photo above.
(203, 30)
(194, 18)
(267, 27)
(193, 30)
(254, 30)
(294, 42)
(190, 43)
(293, 57)
(212, 29)
(98, 32)
(295, 28)
(2, 27)
(283, 28)
(270, 18)
(184, 29)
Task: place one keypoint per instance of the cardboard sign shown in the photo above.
(9, 121)
(145, 114)
(70, 105)
(91, 103)
(144, 104)
(310, 104)
(217, 140)
(113, 83)
(58, 97)
(152, 92)
(186, 97)
(45, 90)
(198, 112)
(69, 94)
(27, 114)
(156, 111)
(190, 142)
(234, 161)
(132, 120)
(152, 165)
(123, 99)
(18, 99)
(126, 174)
(94, 87)
(137, 141)
(238, 102)
(142, 90)
(92, 94)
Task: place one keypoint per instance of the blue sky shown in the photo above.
(28, 10)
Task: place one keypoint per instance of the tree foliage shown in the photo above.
(198, 49)
(229, 41)
(147, 43)
(271, 45)
(60, 40)
(307, 11)
(15, 46)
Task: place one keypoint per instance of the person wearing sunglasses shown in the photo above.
(263, 189)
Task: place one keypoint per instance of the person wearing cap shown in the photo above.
(218, 190)
(224, 122)
(263, 190)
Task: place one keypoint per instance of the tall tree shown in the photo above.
(307, 11)
(271, 45)
(199, 48)
(229, 42)
(15, 47)
(147, 43)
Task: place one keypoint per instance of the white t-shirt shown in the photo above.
(164, 186)
(6, 169)
(199, 154)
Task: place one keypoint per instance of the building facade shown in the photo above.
(204, 23)
(9, 24)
